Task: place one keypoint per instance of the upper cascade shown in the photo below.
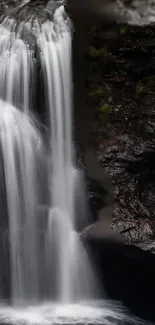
(135, 12)
(29, 10)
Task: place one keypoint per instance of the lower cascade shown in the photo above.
(50, 274)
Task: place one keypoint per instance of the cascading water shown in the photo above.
(20, 149)
(17, 65)
(74, 277)
(65, 275)
(21, 152)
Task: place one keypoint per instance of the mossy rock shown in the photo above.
(104, 110)
(95, 53)
(124, 30)
(99, 92)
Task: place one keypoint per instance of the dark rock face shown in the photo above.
(123, 97)
(129, 160)
(128, 275)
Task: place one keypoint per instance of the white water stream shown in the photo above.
(74, 278)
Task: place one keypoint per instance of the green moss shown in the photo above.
(123, 30)
(104, 109)
(95, 53)
(97, 92)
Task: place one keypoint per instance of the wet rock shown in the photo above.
(127, 273)
(100, 230)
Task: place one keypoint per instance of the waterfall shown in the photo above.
(74, 277)
(20, 149)
(48, 263)
(17, 65)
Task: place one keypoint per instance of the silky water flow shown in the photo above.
(20, 152)
(64, 272)
(74, 278)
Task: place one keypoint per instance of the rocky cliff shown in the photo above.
(121, 89)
